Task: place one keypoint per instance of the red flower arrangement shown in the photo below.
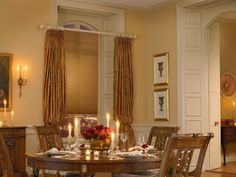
(98, 132)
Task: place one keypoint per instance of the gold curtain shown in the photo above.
(54, 77)
(123, 87)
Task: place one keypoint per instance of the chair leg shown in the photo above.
(43, 173)
(169, 172)
(35, 172)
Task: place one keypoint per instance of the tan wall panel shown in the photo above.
(21, 36)
(156, 33)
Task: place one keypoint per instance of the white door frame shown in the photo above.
(214, 93)
(199, 20)
(76, 5)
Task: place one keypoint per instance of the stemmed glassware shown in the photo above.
(141, 140)
(124, 137)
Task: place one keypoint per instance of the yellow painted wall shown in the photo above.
(21, 36)
(156, 33)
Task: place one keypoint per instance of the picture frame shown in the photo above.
(5, 80)
(161, 104)
(161, 69)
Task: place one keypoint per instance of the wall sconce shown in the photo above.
(22, 78)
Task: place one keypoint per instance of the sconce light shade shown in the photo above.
(22, 77)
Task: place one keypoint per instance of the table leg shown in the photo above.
(224, 152)
(35, 172)
(87, 174)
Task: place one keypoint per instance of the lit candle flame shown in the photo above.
(69, 129)
(117, 127)
(5, 107)
(108, 119)
(12, 114)
(25, 73)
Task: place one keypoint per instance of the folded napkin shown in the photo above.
(55, 151)
(132, 153)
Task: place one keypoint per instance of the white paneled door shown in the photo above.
(214, 94)
(199, 71)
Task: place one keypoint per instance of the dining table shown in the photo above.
(91, 164)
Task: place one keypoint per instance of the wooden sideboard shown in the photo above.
(228, 135)
(15, 141)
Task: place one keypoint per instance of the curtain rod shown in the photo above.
(46, 27)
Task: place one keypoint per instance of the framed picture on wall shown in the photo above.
(161, 104)
(5, 80)
(161, 69)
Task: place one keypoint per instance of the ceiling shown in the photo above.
(150, 3)
(129, 3)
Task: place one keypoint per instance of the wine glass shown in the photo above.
(141, 140)
(124, 137)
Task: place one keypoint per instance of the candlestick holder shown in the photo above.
(69, 138)
(3, 123)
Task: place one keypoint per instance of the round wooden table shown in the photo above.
(88, 165)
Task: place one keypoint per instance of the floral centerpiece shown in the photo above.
(99, 136)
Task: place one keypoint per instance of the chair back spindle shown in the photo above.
(49, 137)
(159, 135)
(181, 148)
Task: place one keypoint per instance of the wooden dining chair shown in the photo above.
(157, 137)
(159, 134)
(49, 137)
(185, 146)
(6, 167)
(181, 148)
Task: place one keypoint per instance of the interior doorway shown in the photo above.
(222, 61)
(193, 24)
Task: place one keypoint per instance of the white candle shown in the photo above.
(117, 127)
(25, 72)
(76, 123)
(96, 153)
(87, 152)
(69, 129)
(108, 119)
(19, 71)
(12, 115)
(112, 140)
(5, 107)
(77, 126)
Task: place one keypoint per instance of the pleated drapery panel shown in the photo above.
(54, 77)
(123, 87)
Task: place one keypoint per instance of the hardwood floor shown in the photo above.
(225, 171)
(229, 168)
(204, 174)
(212, 174)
